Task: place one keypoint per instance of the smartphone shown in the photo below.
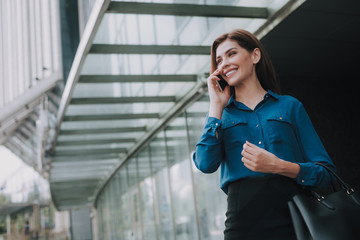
(222, 83)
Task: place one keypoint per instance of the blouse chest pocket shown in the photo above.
(279, 127)
(235, 132)
(279, 117)
(233, 122)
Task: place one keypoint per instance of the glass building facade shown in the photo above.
(160, 194)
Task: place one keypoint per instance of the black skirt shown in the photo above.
(258, 209)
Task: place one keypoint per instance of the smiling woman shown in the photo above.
(264, 142)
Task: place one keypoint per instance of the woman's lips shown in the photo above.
(230, 72)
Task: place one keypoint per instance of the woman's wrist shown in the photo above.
(215, 110)
(288, 169)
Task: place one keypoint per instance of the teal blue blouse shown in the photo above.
(278, 124)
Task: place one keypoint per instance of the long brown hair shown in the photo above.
(264, 68)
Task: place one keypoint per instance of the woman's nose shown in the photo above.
(222, 65)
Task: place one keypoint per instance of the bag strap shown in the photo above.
(346, 186)
(349, 190)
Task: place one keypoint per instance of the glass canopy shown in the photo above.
(138, 65)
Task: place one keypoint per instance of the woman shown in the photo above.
(265, 142)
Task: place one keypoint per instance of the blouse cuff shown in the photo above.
(213, 125)
(306, 174)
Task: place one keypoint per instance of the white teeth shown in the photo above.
(227, 74)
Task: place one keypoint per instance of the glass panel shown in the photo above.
(117, 214)
(126, 227)
(112, 210)
(168, 30)
(134, 199)
(119, 108)
(100, 222)
(87, 90)
(164, 222)
(181, 180)
(196, 115)
(211, 219)
(114, 64)
(147, 195)
(106, 214)
(158, 153)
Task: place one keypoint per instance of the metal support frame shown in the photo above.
(187, 10)
(116, 100)
(96, 142)
(87, 38)
(149, 49)
(102, 130)
(100, 157)
(136, 78)
(11, 110)
(99, 117)
(195, 93)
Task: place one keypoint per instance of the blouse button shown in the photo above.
(257, 125)
(259, 142)
(280, 118)
(233, 123)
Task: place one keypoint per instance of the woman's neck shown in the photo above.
(250, 93)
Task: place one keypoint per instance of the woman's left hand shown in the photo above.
(259, 160)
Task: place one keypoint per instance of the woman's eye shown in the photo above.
(218, 62)
(232, 53)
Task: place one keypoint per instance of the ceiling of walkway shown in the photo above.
(137, 66)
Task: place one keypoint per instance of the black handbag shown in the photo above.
(335, 216)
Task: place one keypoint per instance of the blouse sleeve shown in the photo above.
(313, 151)
(209, 149)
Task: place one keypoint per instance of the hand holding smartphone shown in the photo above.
(222, 83)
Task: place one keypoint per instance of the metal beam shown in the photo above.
(97, 157)
(95, 142)
(136, 78)
(111, 117)
(102, 130)
(83, 163)
(83, 169)
(86, 152)
(187, 10)
(149, 49)
(115, 100)
(69, 179)
(86, 41)
(12, 109)
(100, 170)
(277, 17)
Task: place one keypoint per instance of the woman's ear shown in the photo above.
(256, 55)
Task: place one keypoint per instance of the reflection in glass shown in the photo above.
(164, 221)
(146, 195)
(208, 192)
(134, 199)
(125, 227)
(180, 180)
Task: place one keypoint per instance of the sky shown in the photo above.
(17, 178)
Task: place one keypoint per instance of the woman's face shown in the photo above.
(235, 63)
